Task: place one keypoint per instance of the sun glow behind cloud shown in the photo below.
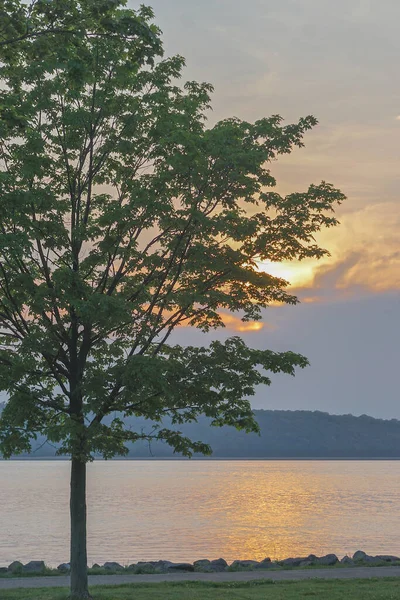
(235, 323)
(298, 274)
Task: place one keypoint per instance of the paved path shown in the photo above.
(349, 573)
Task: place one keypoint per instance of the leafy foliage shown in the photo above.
(123, 217)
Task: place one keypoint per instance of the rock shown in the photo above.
(388, 558)
(34, 566)
(204, 562)
(312, 558)
(160, 566)
(328, 561)
(113, 566)
(267, 564)
(359, 555)
(96, 566)
(173, 567)
(243, 564)
(306, 563)
(144, 568)
(346, 560)
(291, 562)
(15, 567)
(131, 567)
(202, 566)
(373, 560)
(64, 568)
(3, 570)
(362, 557)
(219, 564)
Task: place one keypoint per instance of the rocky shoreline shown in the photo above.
(359, 558)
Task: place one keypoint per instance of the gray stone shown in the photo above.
(15, 567)
(204, 562)
(359, 555)
(388, 558)
(3, 570)
(203, 566)
(34, 566)
(346, 560)
(328, 561)
(219, 564)
(113, 566)
(144, 568)
(306, 563)
(312, 558)
(64, 568)
(96, 566)
(243, 564)
(291, 562)
(373, 560)
(265, 564)
(160, 566)
(173, 567)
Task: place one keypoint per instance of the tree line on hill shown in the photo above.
(283, 434)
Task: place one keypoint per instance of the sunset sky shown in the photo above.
(340, 62)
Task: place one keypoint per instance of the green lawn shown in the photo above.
(357, 589)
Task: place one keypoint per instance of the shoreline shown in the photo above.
(360, 558)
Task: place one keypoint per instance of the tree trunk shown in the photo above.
(79, 577)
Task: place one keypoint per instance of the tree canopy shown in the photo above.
(124, 216)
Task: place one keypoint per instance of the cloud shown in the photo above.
(236, 324)
(365, 256)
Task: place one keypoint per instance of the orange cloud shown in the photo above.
(365, 254)
(235, 323)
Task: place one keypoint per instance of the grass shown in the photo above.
(357, 589)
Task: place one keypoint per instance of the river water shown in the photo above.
(187, 510)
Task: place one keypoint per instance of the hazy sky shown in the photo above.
(340, 62)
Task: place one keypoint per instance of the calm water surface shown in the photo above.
(179, 510)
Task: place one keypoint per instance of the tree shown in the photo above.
(123, 217)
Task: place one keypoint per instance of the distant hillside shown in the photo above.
(284, 434)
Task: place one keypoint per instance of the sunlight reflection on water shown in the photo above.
(180, 510)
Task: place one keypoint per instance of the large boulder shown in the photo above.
(243, 564)
(202, 566)
(373, 560)
(3, 570)
(346, 560)
(266, 564)
(389, 558)
(113, 566)
(143, 568)
(34, 566)
(310, 560)
(16, 567)
(219, 564)
(327, 561)
(179, 567)
(292, 562)
(64, 568)
(359, 556)
(159, 566)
